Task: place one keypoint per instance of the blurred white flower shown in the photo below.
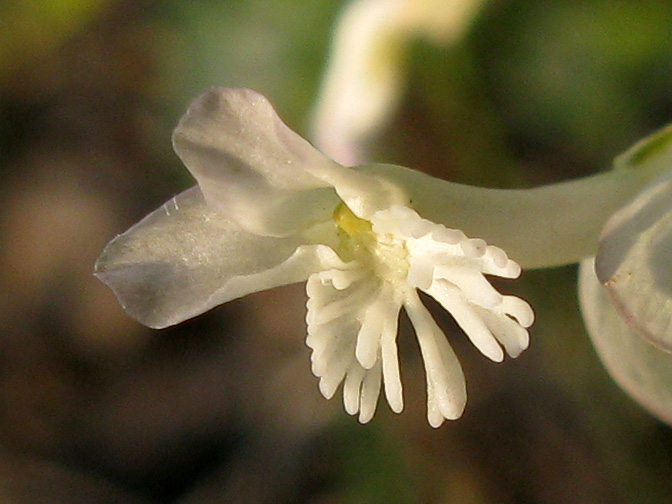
(366, 72)
(271, 210)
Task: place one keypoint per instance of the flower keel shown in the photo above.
(353, 310)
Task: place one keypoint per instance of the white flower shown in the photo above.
(270, 210)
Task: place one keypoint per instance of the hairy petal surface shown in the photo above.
(250, 166)
(185, 258)
(640, 368)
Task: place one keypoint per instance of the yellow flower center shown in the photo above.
(385, 254)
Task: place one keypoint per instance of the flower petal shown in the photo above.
(185, 258)
(642, 369)
(540, 227)
(635, 266)
(251, 166)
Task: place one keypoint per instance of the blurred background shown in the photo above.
(96, 408)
